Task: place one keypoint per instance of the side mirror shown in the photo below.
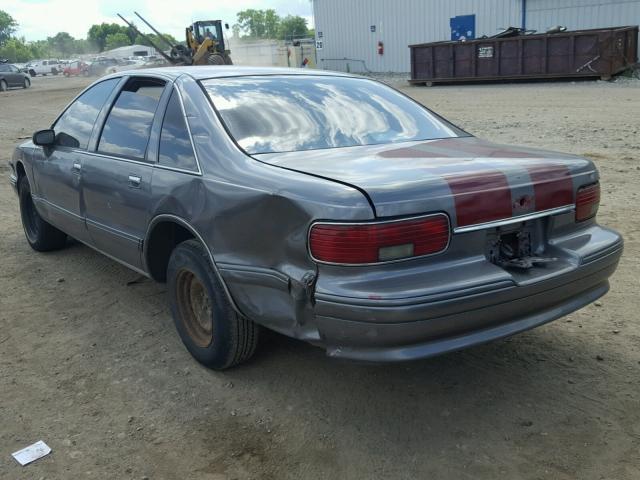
(44, 138)
(226, 26)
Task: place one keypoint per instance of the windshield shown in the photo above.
(267, 114)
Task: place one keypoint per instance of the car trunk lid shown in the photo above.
(473, 181)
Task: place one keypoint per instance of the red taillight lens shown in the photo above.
(378, 242)
(587, 201)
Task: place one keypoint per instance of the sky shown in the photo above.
(39, 19)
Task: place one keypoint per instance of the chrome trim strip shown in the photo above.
(57, 207)
(186, 121)
(117, 260)
(140, 162)
(114, 231)
(518, 219)
(378, 222)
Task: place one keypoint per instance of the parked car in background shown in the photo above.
(11, 76)
(22, 67)
(76, 67)
(44, 67)
(102, 65)
(325, 206)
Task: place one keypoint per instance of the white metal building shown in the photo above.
(351, 33)
(130, 51)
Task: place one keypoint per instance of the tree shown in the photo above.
(63, 43)
(98, 34)
(7, 26)
(116, 40)
(140, 40)
(258, 23)
(271, 23)
(292, 27)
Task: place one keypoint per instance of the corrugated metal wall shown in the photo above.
(345, 25)
(581, 14)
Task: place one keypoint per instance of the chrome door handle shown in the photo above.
(76, 167)
(134, 180)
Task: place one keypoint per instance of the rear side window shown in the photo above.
(74, 127)
(128, 126)
(175, 143)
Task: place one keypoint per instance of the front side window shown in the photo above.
(175, 143)
(268, 114)
(128, 126)
(74, 127)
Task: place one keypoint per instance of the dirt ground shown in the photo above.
(90, 362)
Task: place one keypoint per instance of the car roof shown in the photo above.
(204, 72)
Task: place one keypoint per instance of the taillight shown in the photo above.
(362, 243)
(587, 201)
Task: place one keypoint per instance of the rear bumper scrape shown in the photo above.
(379, 333)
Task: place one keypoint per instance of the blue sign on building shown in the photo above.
(463, 27)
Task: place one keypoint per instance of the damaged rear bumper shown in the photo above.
(420, 328)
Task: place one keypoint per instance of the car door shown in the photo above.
(58, 169)
(117, 175)
(17, 80)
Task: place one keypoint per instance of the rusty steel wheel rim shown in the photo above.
(194, 305)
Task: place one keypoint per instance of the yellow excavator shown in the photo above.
(205, 43)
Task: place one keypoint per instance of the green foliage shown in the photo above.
(258, 23)
(16, 50)
(63, 43)
(116, 40)
(140, 40)
(7, 26)
(98, 34)
(267, 24)
(292, 27)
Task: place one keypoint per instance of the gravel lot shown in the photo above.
(90, 362)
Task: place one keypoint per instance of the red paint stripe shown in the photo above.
(552, 186)
(480, 197)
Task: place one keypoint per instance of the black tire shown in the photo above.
(27, 83)
(41, 236)
(215, 59)
(3, 86)
(208, 325)
(32, 73)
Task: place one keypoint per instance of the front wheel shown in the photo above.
(215, 59)
(3, 86)
(210, 328)
(41, 236)
(27, 83)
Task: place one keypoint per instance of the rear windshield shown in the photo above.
(267, 114)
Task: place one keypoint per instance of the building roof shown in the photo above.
(129, 47)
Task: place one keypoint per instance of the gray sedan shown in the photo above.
(11, 76)
(328, 207)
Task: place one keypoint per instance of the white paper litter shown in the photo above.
(31, 453)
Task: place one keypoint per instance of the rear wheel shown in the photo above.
(42, 236)
(208, 325)
(3, 86)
